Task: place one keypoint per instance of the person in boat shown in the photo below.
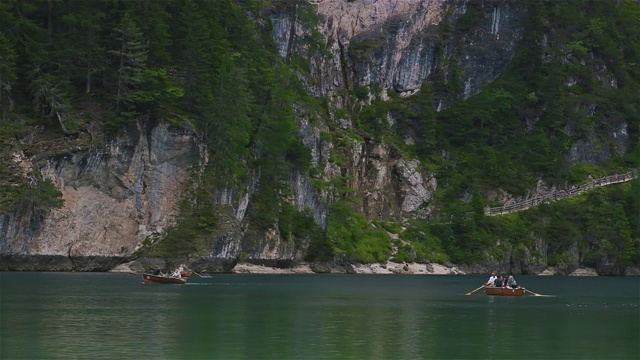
(511, 282)
(498, 281)
(156, 271)
(178, 272)
(492, 278)
(185, 270)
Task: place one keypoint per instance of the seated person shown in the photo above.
(156, 271)
(492, 278)
(498, 281)
(178, 272)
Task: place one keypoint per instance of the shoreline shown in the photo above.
(389, 267)
(337, 265)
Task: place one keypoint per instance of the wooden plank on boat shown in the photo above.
(157, 279)
(503, 291)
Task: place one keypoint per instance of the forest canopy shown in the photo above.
(87, 69)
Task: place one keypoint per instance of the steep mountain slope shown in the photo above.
(277, 132)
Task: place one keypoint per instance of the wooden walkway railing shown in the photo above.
(560, 194)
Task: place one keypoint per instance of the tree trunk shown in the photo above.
(88, 84)
(50, 20)
(119, 91)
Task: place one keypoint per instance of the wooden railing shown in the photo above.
(560, 194)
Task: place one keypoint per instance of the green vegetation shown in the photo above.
(72, 68)
(420, 244)
(518, 130)
(603, 225)
(43, 194)
(520, 126)
(199, 64)
(350, 233)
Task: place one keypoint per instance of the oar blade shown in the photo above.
(532, 293)
(471, 292)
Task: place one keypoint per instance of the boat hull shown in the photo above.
(499, 291)
(154, 279)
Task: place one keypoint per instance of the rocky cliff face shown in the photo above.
(398, 46)
(114, 197)
(127, 190)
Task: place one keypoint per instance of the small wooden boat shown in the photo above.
(157, 279)
(503, 291)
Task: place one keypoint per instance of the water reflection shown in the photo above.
(94, 316)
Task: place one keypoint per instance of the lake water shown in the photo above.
(241, 316)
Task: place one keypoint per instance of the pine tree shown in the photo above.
(229, 125)
(83, 20)
(131, 59)
(426, 123)
(23, 52)
(194, 43)
(8, 76)
(155, 22)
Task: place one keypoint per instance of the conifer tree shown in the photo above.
(23, 53)
(155, 23)
(131, 59)
(84, 19)
(426, 123)
(195, 44)
(7, 76)
(229, 126)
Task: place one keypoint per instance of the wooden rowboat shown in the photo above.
(157, 279)
(503, 291)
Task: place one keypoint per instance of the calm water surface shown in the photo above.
(239, 316)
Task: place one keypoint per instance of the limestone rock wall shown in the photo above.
(114, 197)
(399, 45)
(120, 193)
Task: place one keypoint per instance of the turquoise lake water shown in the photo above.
(242, 316)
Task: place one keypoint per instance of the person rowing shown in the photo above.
(156, 271)
(492, 278)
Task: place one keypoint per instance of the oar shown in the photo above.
(204, 277)
(471, 292)
(529, 291)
